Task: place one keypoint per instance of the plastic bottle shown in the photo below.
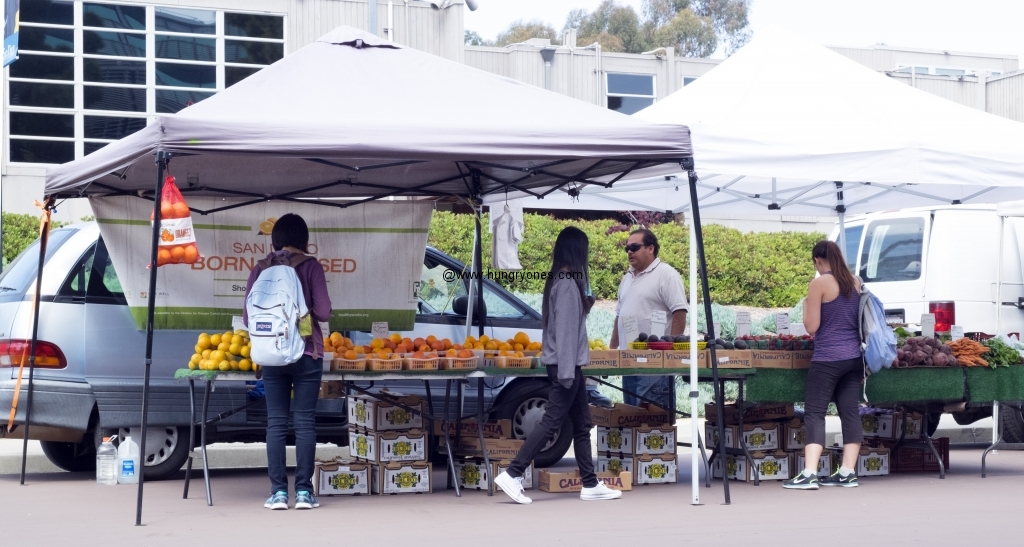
(106, 463)
(128, 462)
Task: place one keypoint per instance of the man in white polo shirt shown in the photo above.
(651, 297)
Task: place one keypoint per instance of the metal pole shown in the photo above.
(161, 162)
(478, 252)
(841, 209)
(694, 393)
(44, 237)
(719, 391)
(999, 281)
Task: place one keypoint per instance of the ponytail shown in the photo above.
(830, 252)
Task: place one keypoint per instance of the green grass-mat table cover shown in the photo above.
(185, 374)
(985, 385)
(886, 386)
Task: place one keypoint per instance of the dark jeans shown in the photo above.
(303, 379)
(654, 388)
(843, 380)
(563, 404)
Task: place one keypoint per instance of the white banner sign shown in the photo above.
(371, 254)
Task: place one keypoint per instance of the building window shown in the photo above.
(136, 62)
(630, 93)
(687, 80)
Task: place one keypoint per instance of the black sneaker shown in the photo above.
(849, 481)
(802, 482)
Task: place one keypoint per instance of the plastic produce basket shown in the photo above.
(638, 345)
(348, 364)
(685, 346)
(660, 345)
(463, 363)
(422, 364)
(513, 362)
(385, 364)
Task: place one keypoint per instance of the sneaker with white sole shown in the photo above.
(305, 500)
(513, 486)
(277, 502)
(599, 492)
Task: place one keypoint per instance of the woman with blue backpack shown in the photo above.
(832, 315)
(285, 300)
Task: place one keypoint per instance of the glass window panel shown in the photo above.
(48, 95)
(191, 21)
(124, 99)
(235, 74)
(253, 53)
(629, 105)
(78, 279)
(497, 306)
(688, 80)
(47, 11)
(904, 70)
(121, 44)
(949, 72)
(114, 16)
(436, 292)
(29, 151)
(43, 67)
(170, 102)
(42, 125)
(921, 70)
(892, 250)
(853, 245)
(181, 75)
(253, 26)
(631, 84)
(186, 48)
(91, 147)
(114, 72)
(106, 127)
(58, 40)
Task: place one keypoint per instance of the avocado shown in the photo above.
(653, 338)
(642, 337)
(740, 344)
(728, 345)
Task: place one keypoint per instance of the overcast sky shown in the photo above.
(982, 26)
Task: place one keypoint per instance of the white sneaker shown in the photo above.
(599, 492)
(513, 486)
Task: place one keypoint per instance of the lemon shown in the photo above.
(198, 348)
(217, 356)
(244, 365)
(206, 353)
(234, 365)
(226, 337)
(224, 366)
(224, 346)
(215, 340)
(196, 358)
(204, 340)
(192, 366)
(244, 352)
(236, 339)
(235, 349)
(241, 332)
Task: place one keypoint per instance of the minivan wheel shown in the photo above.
(74, 457)
(1011, 423)
(524, 404)
(166, 449)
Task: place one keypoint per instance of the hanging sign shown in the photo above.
(630, 330)
(956, 332)
(928, 325)
(742, 323)
(782, 323)
(379, 329)
(658, 321)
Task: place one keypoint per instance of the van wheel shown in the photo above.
(524, 403)
(166, 449)
(1011, 423)
(74, 457)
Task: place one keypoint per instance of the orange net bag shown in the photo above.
(177, 238)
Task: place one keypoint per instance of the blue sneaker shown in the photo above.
(305, 500)
(278, 501)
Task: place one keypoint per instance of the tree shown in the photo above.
(729, 18)
(474, 39)
(692, 36)
(615, 27)
(521, 31)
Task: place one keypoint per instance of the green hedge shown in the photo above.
(754, 269)
(19, 231)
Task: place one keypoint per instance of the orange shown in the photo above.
(522, 338)
(431, 338)
(191, 254)
(163, 256)
(390, 344)
(437, 345)
(451, 352)
(465, 354)
(360, 350)
(478, 345)
(167, 210)
(484, 338)
(447, 343)
(456, 347)
(376, 343)
(424, 347)
(178, 254)
(504, 346)
(490, 345)
(350, 355)
(469, 341)
(518, 347)
(520, 354)
(418, 342)
(395, 337)
(418, 355)
(179, 209)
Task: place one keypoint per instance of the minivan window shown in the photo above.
(853, 234)
(20, 274)
(437, 292)
(498, 306)
(893, 250)
(94, 277)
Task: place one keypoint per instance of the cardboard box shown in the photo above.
(764, 358)
(605, 358)
(736, 467)
(553, 481)
(794, 435)
(496, 429)
(681, 359)
(615, 463)
(401, 478)
(497, 449)
(654, 440)
(824, 465)
(340, 478)
(879, 425)
(332, 389)
(770, 466)
(615, 439)
(761, 437)
(388, 446)
(656, 469)
(647, 358)
(623, 415)
(732, 433)
(502, 465)
(802, 358)
(369, 413)
(731, 358)
(913, 425)
(873, 462)
(751, 413)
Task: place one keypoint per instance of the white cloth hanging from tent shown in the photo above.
(507, 228)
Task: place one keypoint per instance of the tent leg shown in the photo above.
(478, 252)
(694, 393)
(999, 290)
(841, 209)
(44, 238)
(161, 161)
(719, 389)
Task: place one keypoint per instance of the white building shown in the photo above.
(90, 73)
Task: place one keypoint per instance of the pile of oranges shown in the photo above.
(513, 347)
(225, 351)
(429, 347)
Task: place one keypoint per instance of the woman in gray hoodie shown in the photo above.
(567, 302)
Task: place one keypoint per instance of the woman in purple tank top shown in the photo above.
(831, 314)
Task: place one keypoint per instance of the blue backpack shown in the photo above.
(877, 339)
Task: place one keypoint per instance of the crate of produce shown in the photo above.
(376, 364)
(513, 362)
(412, 363)
(456, 363)
(348, 364)
(685, 346)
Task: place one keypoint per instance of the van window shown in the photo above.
(437, 294)
(17, 277)
(893, 250)
(498, 306)
(853, 234)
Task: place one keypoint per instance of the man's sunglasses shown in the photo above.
(634, 247)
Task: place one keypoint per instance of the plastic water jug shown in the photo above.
(106, 462)
(128, 462)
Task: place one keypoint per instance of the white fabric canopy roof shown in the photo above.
(355, 115)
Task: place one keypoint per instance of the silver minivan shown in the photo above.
(90, 385)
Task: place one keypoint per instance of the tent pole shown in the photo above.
(841, 209)
(478, 252)
(161, 162)
(999, 280)
(44, 238)
(694, 392)
(719, 389)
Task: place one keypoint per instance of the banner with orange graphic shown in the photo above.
(371, 254)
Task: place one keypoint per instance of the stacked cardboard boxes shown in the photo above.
(390, 438)
(637, 440)
(470, 467)
(763, 433)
